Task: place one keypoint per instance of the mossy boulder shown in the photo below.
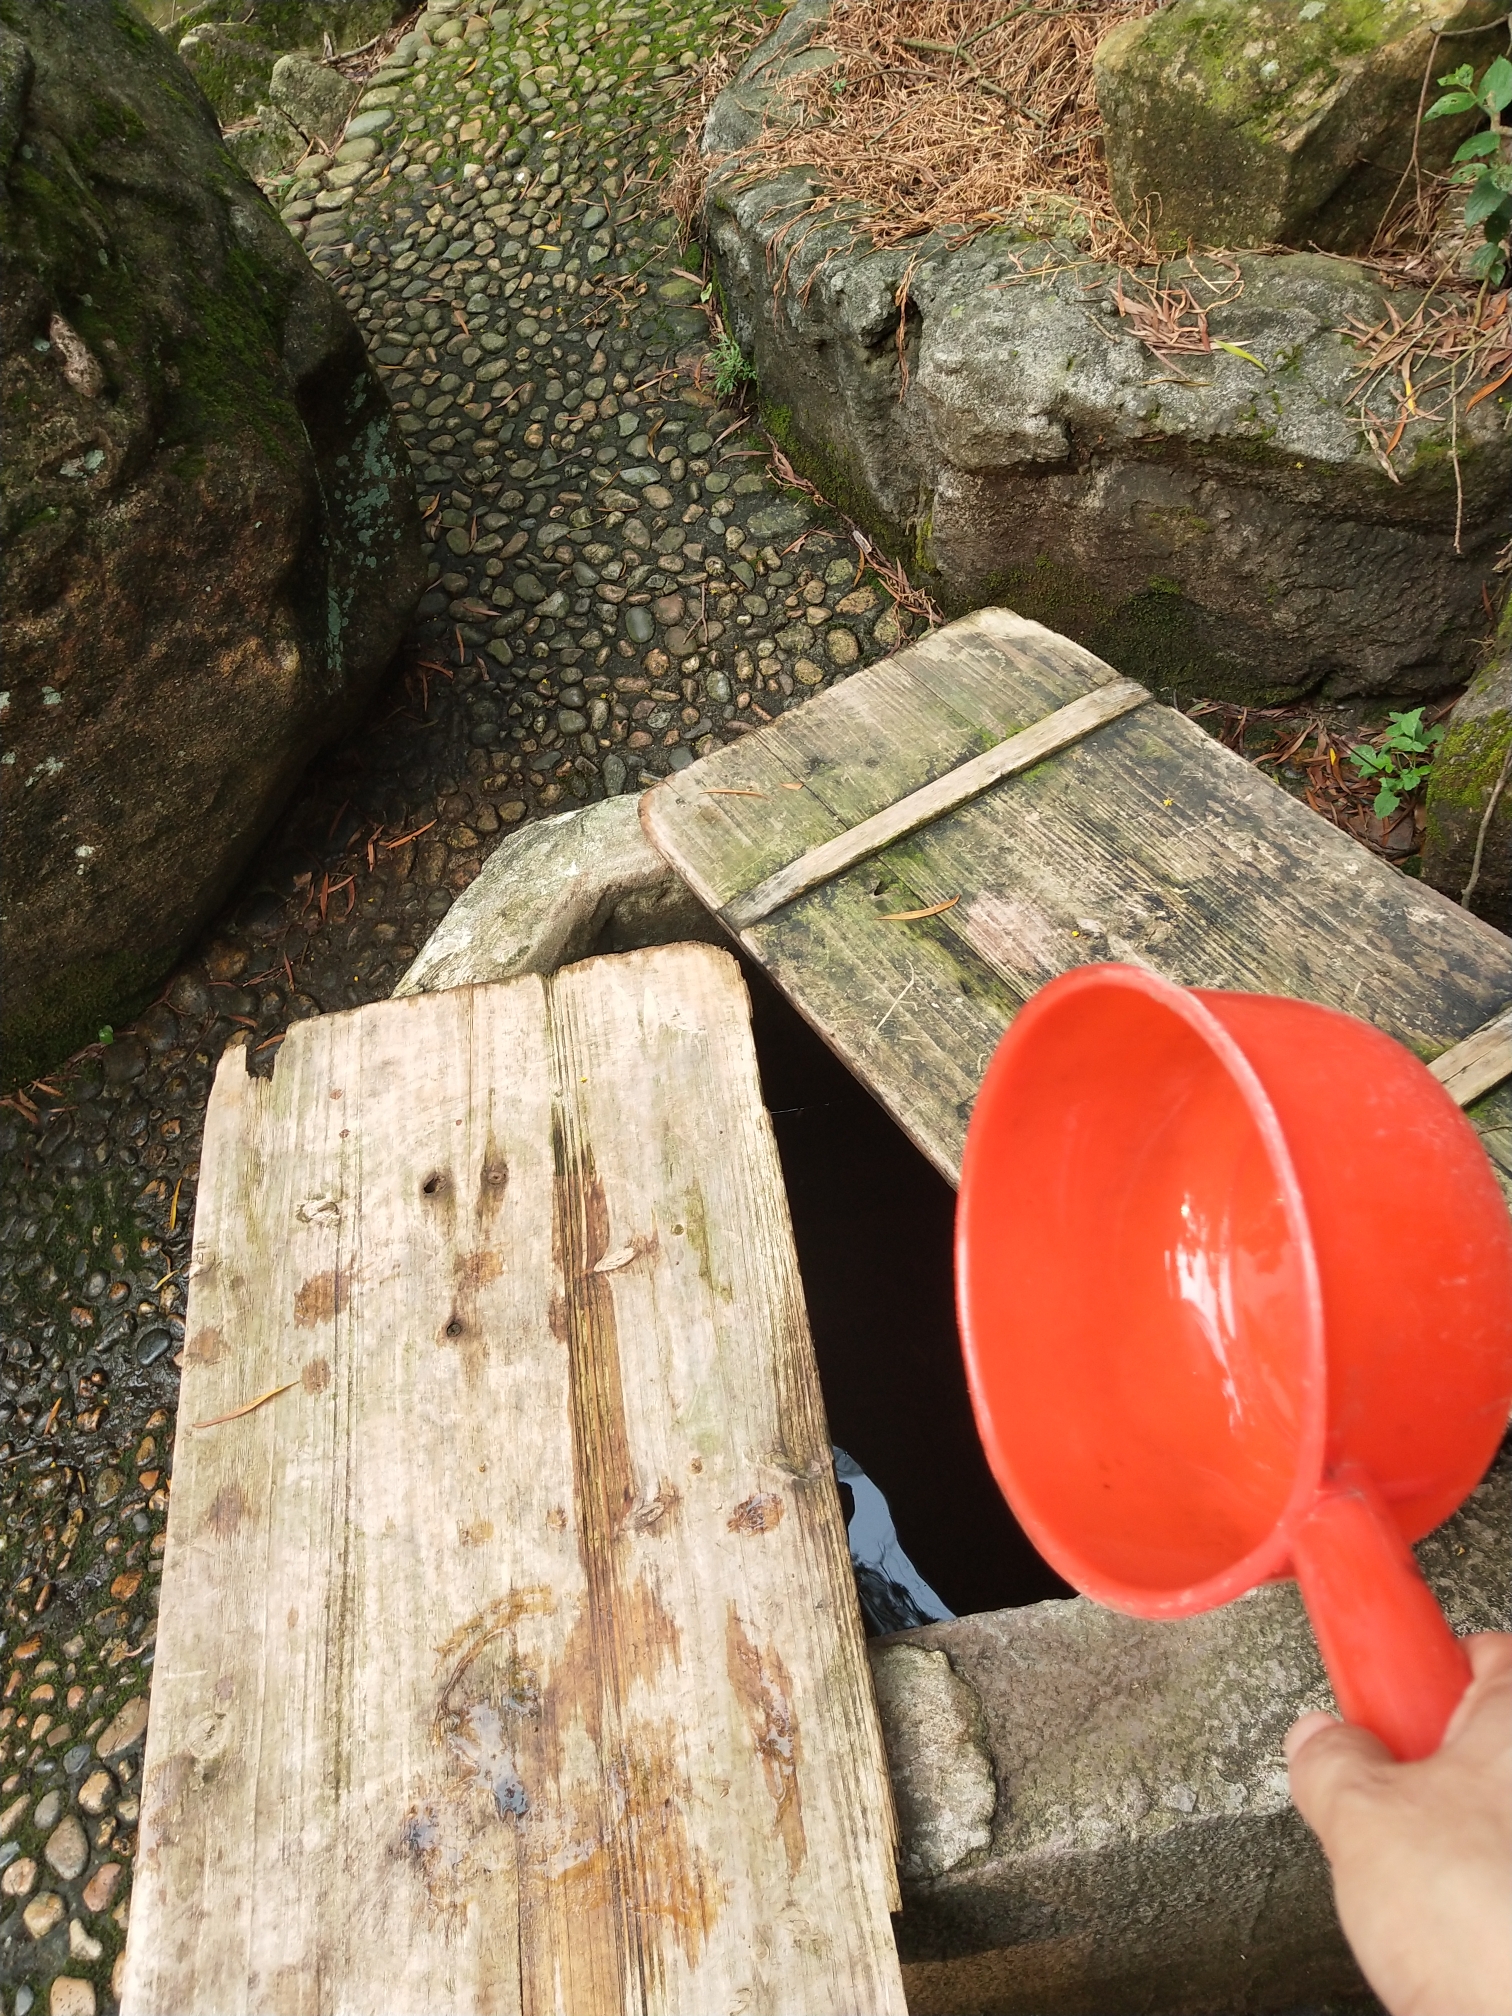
(1277, 122)
(285, 24)
(233, 62)
(267, 145)
(232, 65)
(1469, 799)
(316, 99)
(211, 548)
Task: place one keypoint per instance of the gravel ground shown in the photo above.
(617, 586)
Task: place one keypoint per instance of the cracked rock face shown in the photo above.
(211, 541)
(1210, 521)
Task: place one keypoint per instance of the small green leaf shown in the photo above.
(1235, 350)
(1478, 144)
(107, 1034)
(1386, 801)
(1445, 108)
(1484, 200)
(1496, 86)
(1488, 262)
(1464, 76)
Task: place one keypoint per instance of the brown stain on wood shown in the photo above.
(463, 1329)
(583, 1317)
(493, 1178)
(321, 1299)
(468, 1643)
(163, 1810)
(756, 1515)
(316, 1376)
(228, 1511)
(476, 1269)
(647, 1639)
(207, 1346)
(764, 1690)
(658, 1883)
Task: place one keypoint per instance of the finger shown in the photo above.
(1489, 1653)
(1302, 1728)
(1328, 1764)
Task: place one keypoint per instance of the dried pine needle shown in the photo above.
(931, 120)
(909, 916)
(251, 1406)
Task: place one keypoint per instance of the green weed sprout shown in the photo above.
(1399, 762)
(731, 370)
(1484, 161)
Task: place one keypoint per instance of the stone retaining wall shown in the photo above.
(1209, 524)
(1094, 1810)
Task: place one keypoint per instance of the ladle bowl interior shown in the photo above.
(1187, 1282)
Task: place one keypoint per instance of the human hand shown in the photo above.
(1422, 1853)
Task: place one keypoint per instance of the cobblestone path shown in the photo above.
(617, 584)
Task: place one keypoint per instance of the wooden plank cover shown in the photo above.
(1145, 841)
(509, 1660)
(932, 801)
(1481, 1061)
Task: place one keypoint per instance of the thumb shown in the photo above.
(1327, 1762)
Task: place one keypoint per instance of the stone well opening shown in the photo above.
(874, 1223)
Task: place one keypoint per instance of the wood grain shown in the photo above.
(1147, 841)
(510, 1660)
(1481, 1061)
(860, 747)
(1032, 745)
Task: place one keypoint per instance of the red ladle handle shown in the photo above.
(1397, 1668)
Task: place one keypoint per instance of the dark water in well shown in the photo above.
(874, 1224)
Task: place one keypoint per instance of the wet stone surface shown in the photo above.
(616, 586)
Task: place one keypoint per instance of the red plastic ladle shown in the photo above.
(1235, 1290)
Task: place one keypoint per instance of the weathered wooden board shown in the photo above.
(930, 802)
(1145, 840)
(509, 1658)
(1481, 1061)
